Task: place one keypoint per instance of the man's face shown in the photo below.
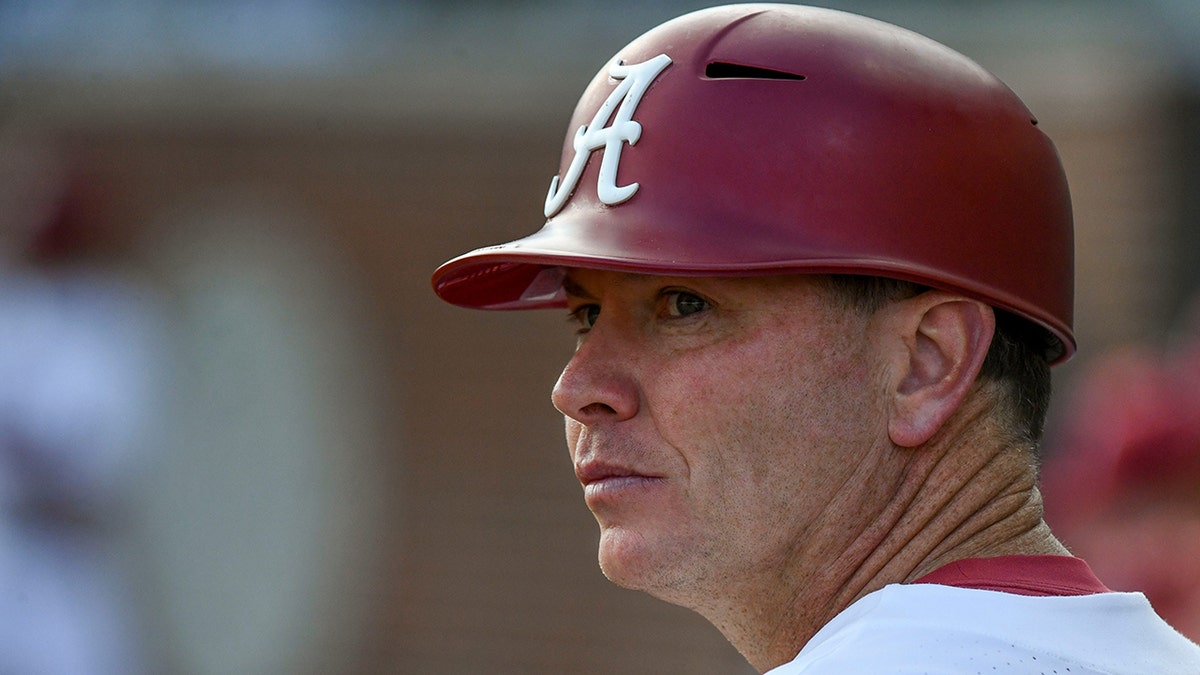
(722, 428)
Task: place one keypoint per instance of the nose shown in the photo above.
(597, 385)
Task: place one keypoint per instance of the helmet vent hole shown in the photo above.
(720, 70)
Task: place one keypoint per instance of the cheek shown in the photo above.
(755, 400)
(766, 418)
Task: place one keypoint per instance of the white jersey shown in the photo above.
(912, 629)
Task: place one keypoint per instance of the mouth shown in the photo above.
(603, 482)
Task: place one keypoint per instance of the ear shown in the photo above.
(941, 341)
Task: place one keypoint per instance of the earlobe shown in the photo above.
(944, 339)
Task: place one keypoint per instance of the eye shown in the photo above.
(682, 303)
(585, 316)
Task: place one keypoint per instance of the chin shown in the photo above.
(629, 560)
(624, 558)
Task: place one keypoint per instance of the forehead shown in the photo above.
(594, 284)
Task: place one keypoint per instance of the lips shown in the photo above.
(604, 481)
(591, 472)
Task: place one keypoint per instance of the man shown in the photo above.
(819, 267)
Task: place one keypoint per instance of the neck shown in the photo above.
(917, 510)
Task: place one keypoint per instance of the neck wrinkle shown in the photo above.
(825, 580)
(808, 586)
(964, 494)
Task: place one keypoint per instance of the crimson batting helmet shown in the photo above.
(774, 139)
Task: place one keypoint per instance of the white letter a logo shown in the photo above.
(632, 82)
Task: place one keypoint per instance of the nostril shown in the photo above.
(593, 409)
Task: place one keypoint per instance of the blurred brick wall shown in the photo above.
(488, 555)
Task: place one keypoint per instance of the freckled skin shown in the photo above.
(757, 452)
(752, 414)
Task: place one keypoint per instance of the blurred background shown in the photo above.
(239, 434)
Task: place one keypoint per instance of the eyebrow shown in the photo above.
(573, 287)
